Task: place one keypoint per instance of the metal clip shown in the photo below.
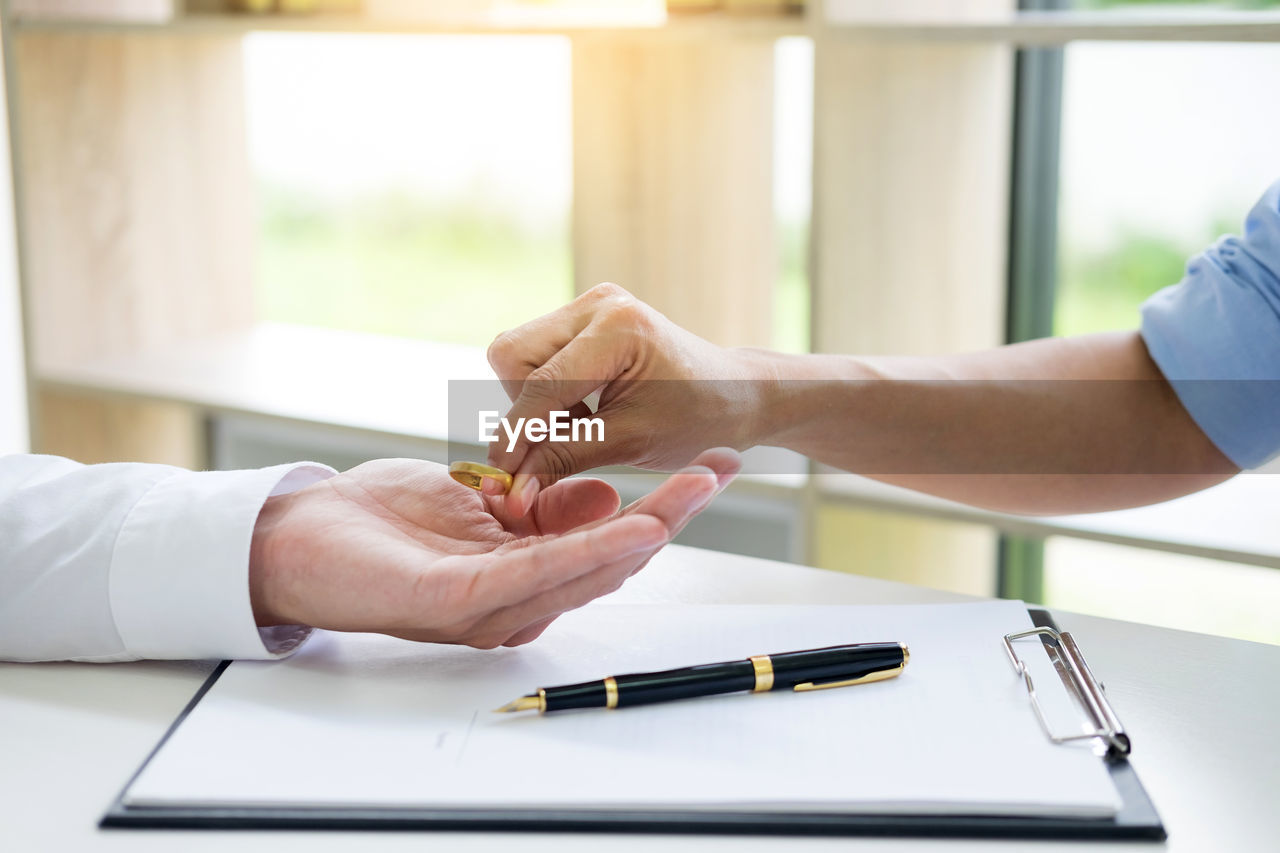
(1089, 692)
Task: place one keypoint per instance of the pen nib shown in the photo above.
(524, 703)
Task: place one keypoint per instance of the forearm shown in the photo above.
(1050, 426)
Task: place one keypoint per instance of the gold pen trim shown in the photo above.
(610, 693)
(763, 667)
(879, 675)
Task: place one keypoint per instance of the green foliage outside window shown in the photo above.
(1102, 289)
(393, 264)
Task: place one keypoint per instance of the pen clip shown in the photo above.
(878, 675)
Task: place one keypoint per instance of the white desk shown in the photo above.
(1204, 713)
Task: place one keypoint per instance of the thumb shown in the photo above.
(559, 385)
(548, 462)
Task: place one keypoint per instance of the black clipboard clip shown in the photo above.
(1075, 672)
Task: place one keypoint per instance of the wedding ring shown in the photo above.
(473, 474)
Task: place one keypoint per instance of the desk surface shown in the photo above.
(1202, 711)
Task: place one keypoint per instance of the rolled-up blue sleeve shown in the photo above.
(1216, 337)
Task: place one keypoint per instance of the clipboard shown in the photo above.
(1136, 818)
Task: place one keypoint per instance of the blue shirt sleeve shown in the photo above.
(1216, 337)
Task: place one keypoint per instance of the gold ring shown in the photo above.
(610, 693)
(473, 474)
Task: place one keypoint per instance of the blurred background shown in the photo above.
(256, 232)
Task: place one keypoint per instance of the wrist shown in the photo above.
(782, 387)
(263, 562)
(795, 392)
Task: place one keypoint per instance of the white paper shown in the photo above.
(365, 720)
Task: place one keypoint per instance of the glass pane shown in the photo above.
(421, 185)
(793, 168)
(1174, 5)
(1164, 148)
(411, 185)
(1174, 590)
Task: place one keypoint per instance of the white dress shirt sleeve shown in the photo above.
(126, 561)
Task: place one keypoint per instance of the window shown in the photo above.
(1169, 5)
(793, 197)
(411, 185)
(421, 186)
(1164, 148)
(1174, 590)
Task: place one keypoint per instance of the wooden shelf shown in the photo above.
(1020, 28)
(538, 22)
(392, 386)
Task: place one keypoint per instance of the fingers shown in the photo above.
(724, 461)
(517, 352)
(514, 593)
(591, 360)
(674, 503)
(566, 506)
(678, 499)
(682, 496)
(514, 354)
(548, 463)
(531, 567)
(689, 490)
(510, 596)
(552, 364)
(571, 504)
(525, 622)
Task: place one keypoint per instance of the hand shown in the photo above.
(606, 340)
(397, 547)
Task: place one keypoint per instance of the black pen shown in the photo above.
(812, 669)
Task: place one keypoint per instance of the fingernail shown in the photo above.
(526, 491)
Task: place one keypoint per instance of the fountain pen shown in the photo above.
(811, 669)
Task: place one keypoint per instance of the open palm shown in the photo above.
(396, 546)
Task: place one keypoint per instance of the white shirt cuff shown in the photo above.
(179, 581)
